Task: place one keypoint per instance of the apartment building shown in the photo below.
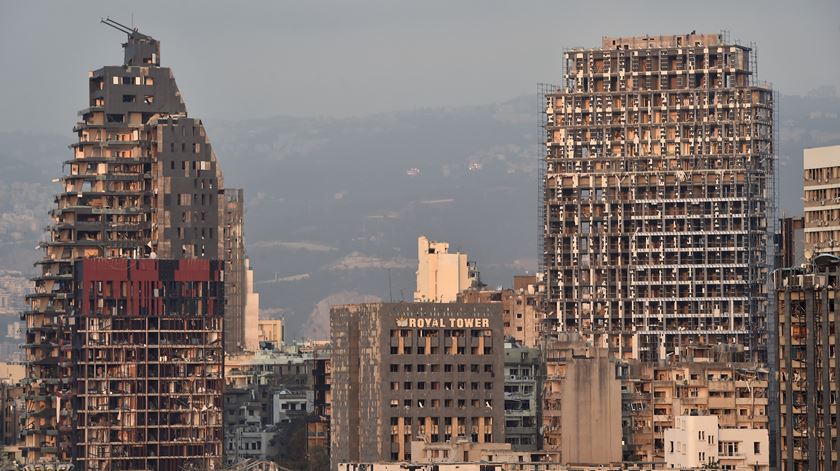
(522, 307)
(822, 199)
(654, 395)
(148, 376)
(406, 370)
(698, 442)
(143, 184)
(657, 192)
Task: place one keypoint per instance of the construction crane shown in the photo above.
(121, 27)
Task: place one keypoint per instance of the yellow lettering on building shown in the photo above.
(454, 322)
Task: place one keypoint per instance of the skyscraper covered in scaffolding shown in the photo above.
(657, 191)
(125, 328)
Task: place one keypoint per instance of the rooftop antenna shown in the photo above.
(118, 26)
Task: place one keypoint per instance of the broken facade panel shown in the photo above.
(654, 395)
(149, 376)
(657, 194)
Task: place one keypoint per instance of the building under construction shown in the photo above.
(657, 192)
(110, 383)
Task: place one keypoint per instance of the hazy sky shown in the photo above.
(346, 58)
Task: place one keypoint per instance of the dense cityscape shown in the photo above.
(676, 319)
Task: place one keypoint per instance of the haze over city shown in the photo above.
(280, 87)
(293, 174)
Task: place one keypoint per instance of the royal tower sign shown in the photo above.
(431, 322)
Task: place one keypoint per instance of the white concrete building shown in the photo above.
(698, 441)
(288, 404)
(440, 275)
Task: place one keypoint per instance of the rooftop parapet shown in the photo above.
(651, 42)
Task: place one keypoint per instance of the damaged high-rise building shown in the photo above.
(657, 192)
(125, 355)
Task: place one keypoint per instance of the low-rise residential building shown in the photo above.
(654, 394)
(522, 307)
(289, 404)
(463, 450)
(251, 443)
(272, 397)
(703, 381)
(271, 333)
(295, 367)
(697, 441)
(497, 464)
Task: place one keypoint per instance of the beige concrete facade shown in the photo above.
(594, 393)
(440, 275)
(460, 451)
(522, 307)
(698, 441)
(471, 466)
(12, 373)
(650, 395)
(271, 330)
(822, 199)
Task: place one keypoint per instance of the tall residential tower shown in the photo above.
(125, 325)
(657, 193)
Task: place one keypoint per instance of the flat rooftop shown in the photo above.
(822, 157)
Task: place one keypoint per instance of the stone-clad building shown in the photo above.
(404, 371)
